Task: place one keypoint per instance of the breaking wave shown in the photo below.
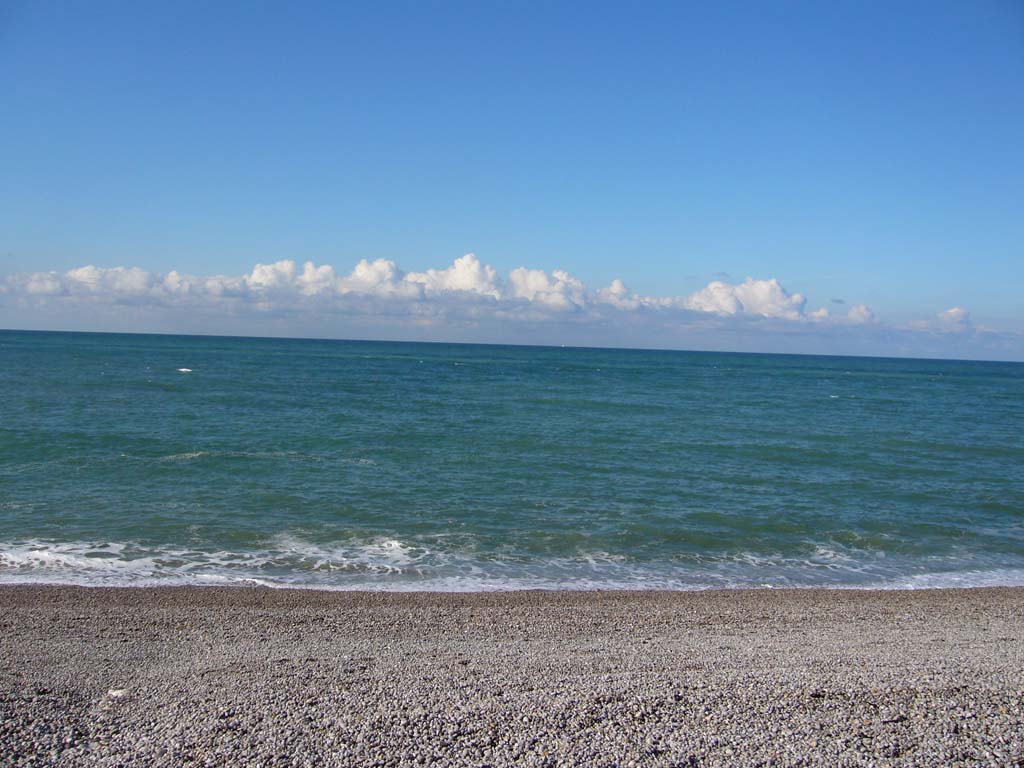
(387, 564)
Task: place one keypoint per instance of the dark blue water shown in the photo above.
(429, 466)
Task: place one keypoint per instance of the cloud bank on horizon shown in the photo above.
(470, 301)
(466, 287)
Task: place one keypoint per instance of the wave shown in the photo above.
(289, 455)
(184, 456)
(388, 564)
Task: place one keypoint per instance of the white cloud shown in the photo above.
(175, 283)
(467, 290)
(469, 300)
(280, 274)
(465, 274)
(559, 290)
(955, 320)
(124, 281)
(860, 313)
(220, 286)
(381, 277)
(618, 296)
(45, 283)
(755, 297)
(315, 280)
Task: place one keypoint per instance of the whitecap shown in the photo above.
(184, 456)
(457, 564)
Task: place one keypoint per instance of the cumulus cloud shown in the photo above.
(466, 274)
(618, 296)
(956, 320)
(126, 281)
(44, 283)
(860, 313)
(467, 288)
(756, 297)
(381, 277)
(559, 290)
(469, 300)
(280, 274)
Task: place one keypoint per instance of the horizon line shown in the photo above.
(499, 344)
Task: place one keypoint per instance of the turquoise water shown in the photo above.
(131, 459)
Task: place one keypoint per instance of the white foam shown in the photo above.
(290, 455)
(994, 577)
(184, 456)
(184, 370)
(390, 564)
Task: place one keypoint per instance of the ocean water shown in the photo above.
(139, 460)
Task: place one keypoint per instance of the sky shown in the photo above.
(810, 177)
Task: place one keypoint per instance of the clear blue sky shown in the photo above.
(871, 152)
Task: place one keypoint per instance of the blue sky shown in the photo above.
(858, 153)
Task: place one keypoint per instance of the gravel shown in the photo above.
(258, 677)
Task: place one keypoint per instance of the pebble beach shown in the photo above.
(251, 676)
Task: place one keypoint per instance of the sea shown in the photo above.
(140, 460)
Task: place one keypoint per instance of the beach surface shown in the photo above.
(253, 676)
